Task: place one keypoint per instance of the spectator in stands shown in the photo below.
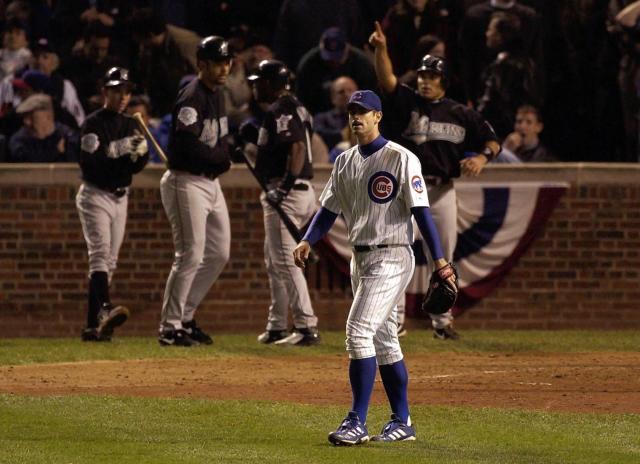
(511, 80)
(476, 56)
(237, 88)
(89, 62)
(301, 23)
(332, 58)
(141, 104)
(71, 17)
(166, 54)
(41, 139)
(15, 54)
(406, 22)
(330, 124)
(62, 90)
(524, 141)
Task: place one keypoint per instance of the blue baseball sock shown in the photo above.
(362, 374)
(395, 380)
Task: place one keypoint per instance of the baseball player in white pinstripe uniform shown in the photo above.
(377, 186)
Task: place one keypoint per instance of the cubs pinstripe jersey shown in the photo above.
(375, 194)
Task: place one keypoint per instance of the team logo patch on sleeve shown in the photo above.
(282, 123)
(417, 184)
(382, 187)
(187, 115)
(89, 142)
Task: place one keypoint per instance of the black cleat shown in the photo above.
(307, 336)
(92, 335)
(110, 317)
(271, 336)
(196, 333)
(446, 333)
(176, 338)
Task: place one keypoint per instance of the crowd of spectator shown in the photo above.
(570, 63)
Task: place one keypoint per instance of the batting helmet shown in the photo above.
(116, 76)
(214, 48)
(435, 65)
(274, 71)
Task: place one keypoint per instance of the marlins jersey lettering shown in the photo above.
(375, 194)
(198, 129)
(438, 132)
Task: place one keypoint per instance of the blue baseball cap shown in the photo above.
(367, 99)
(333, 44)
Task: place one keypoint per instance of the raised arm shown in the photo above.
(384, 69)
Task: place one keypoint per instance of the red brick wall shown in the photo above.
(582, 272)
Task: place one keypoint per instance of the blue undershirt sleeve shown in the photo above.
(320, 225)
(428, 230)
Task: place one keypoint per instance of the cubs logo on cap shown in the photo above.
(382, 187)
(417, 184)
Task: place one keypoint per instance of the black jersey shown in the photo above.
(198, 127)
(438, 132)
(107, 156)
(285, 122)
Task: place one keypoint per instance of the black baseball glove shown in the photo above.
(442, 293)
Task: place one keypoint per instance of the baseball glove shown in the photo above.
(442, 294)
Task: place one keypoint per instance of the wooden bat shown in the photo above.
(145, 129)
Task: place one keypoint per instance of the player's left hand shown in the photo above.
(301, 254)
(276, 196)
(138, 146)
(473, 166)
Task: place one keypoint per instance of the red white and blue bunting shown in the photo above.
(496, 224)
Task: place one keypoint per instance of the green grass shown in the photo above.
(24, 351)
(92, 430)
(89, 429)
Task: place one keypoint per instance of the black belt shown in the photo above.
(303, 187)
(361, 248)
(118, 192)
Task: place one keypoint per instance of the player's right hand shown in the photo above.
(377, 38)
(301, 254)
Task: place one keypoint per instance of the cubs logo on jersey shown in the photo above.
(417, 184)
(382, 187)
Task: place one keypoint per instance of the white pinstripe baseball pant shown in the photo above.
(378, 279)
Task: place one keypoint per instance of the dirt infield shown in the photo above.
(581, 382)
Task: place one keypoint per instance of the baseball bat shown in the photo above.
(286, 220)
(152, 139)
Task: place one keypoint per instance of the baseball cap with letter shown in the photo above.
(366, 99)
(333, 44)
(117, 76)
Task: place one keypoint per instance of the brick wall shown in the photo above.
(582, 272)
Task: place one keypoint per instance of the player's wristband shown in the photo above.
(488, 153)
(287, 182)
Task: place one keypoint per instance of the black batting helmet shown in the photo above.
(116, 76)
(274, 71)
(214, 48)
(435, 65)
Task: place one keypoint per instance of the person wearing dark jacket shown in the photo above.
(41, 139)
(512, 79)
